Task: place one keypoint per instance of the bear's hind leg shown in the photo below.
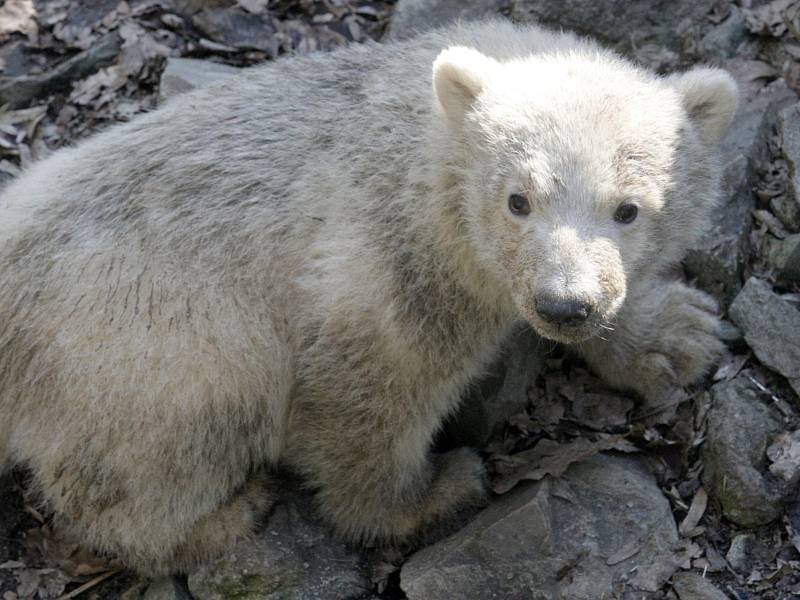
(236, 519)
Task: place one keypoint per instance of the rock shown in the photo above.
(725, 40)
(17, 59)
(785, 456)
(293, 559)
(239, 29)
(717, 260)
(575, 537)
(626, 25)
(693, 586)
(500, 395)
(740, 555)
(787, 208)
(770, 325)
(21, 91)
(164, 588)
(784, 257)
(730, 335)
(184, 74)
(739, 429)
(414, 16)
(789, 132)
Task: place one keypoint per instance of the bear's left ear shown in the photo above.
(459, 76)
(710, 97)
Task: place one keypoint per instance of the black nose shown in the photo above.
(563, 311)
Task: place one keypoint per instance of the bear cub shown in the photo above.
(307, 264)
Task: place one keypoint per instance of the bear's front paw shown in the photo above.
(684, 341)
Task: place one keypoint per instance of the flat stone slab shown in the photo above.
(717, 260)
(295, 558)
(740, 427)
(184, 74)
(771, 327)
(789, 129)
(577, 537)
(693, 586)
(415, 16)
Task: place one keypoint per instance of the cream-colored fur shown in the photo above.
(307, 264)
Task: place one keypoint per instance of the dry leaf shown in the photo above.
(111, 78)
(769, 19)
(67, 556)
(772, 223)
(652, 575)
(551, 458)
(17, 16)
(253, 6)
(688, 527)
(627, 551)
(601, 411)
(730, 366)
(785, 456)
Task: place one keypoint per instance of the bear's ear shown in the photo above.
(459, 76)
(710, 97)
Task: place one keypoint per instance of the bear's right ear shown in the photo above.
(459, 76)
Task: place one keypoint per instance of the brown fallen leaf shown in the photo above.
(64, 555)
(689, 525)
(730, 367)
(652, 575)
(254, 7)
(551, 458)
(784, 453)
(111, 78)
(627, 551)
(17, 16)
(769, 19)
(772, 223)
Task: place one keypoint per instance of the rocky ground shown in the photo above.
(596, 495)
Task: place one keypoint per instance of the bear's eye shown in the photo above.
(626, 213)
(519, 205)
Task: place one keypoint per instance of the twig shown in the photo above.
(88, 585)
(34, 513)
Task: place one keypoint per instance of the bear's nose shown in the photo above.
(562, 311)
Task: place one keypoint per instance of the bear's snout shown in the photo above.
(569, 312)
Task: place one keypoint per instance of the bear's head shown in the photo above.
(578, 173)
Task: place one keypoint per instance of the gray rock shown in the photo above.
(21, 91)
(184, 74)
(717, 260)
(731, 335)
(237, 28)
(414, 16)
(739, 429)
(502, 394)
(724, 40)
(785, 456)
(784, 257)
(770, 325)
(693, 586)
(618, 22)
(573, 538)
(787, 208)
(293, 559)
(789, 131)
(740, 555)
(157, 589)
